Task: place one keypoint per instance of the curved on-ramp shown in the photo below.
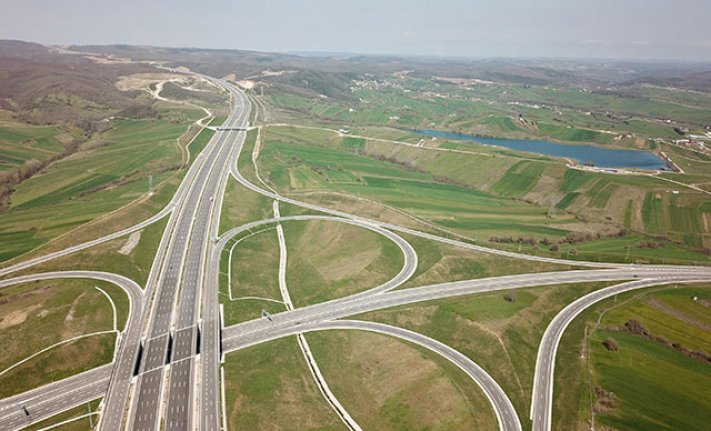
(51, 399)
(132, 289)
(542, 395)
(505, 413)
(410, 256)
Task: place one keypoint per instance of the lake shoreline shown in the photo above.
(583, 154)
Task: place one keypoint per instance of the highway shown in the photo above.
(49, 400)
(211, 324)
(172, 331)
(260, 330)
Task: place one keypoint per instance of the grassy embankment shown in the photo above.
(269, 387)
(39, 314)
(439, 263)
(653, 386)
(388, 384)
(499, 333)
(329, 260)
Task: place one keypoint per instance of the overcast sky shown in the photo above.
(650, 29)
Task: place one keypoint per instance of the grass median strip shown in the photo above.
(394, 385)
(269, 387)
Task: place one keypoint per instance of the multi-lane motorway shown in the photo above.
(173, 330)
(174, 340)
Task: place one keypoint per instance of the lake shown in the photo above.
(584, 154)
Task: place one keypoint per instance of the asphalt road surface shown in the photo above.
(49, 400)
(173, 335)
(120, 373)
(504, 410)
(542, 394)
(210, 340)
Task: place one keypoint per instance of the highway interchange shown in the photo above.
(174, 337)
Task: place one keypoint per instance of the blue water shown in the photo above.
(599, 157)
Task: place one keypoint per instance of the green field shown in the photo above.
(90, 184)
(565, 115)
(269, 387)
(88, 213)
(22, 142)
(519, 179)
(654, 386)
(499, 333)
(135, 264)
(39, 314)
(472, 196)
(301, 167)
(393, 385)
(329, 260)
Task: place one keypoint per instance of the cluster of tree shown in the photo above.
(648, 244)
(14, 177)
(576, 237)
(512, 240)
(410, 165)
(138, 112)
(447, 180)
(554, 246)
(11, 178)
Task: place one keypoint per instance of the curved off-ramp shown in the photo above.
(410, 256)
(91, 384)
(543, 380)
(503, 408)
